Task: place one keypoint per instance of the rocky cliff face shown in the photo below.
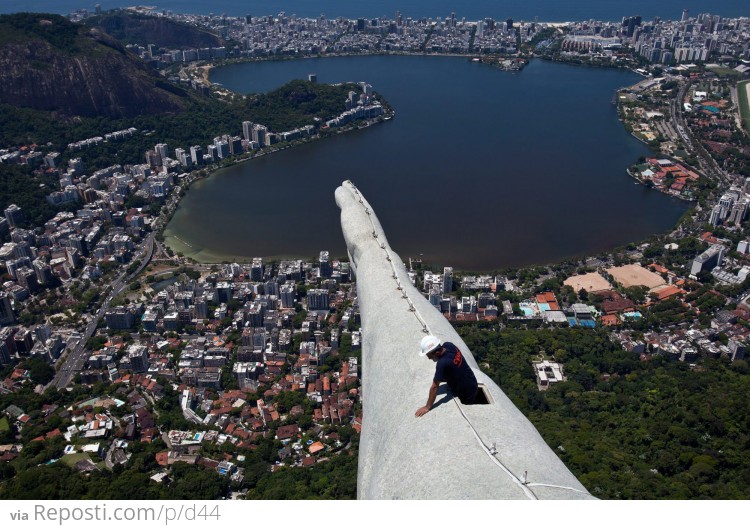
(49, 63)
(133, 28)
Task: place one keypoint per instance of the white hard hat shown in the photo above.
(429, 344)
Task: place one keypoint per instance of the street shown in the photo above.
(77, 357)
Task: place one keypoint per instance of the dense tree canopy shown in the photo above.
(295, 104)
(19, 186)
(629, 428)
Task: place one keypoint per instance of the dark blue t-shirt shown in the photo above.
(453, 369)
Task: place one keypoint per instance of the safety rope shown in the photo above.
(558, 487)
(390, 258)
(426, 329)
(523, 484)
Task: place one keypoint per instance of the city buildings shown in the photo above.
(186, 327)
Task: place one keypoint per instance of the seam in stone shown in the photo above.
(389, 259)
(529, 494)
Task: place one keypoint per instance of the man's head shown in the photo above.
(431, 346)
(436, 354)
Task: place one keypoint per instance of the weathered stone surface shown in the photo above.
(77, 71)
(133, 28)
(437, 456)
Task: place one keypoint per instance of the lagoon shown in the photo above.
(480, 169)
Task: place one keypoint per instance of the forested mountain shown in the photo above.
(49, 63)
(135, 28)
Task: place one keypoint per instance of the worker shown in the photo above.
(451, 367)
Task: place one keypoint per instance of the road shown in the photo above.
(708, 164)
(78, 356)
(736, 103)
(676, 114)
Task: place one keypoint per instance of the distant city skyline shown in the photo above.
(546, 10)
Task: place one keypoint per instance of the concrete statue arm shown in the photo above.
(494, 451)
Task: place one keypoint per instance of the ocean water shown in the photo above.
(544, 10)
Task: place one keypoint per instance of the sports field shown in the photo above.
(593, 281)
(634, 276)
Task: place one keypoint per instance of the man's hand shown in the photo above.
(422, 411)
(430, 399)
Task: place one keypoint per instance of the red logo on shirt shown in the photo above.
(458, 359)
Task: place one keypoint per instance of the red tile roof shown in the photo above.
(610, 319)
(668, 292)
(241, 433)
(316, 447)
(162, 458)
(286, 432)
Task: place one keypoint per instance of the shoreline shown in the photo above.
(205, 69)
(211, 171)
(655, 152)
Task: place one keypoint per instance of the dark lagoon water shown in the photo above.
(480, 168)
(545, 10)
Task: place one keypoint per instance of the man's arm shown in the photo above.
(430, 399)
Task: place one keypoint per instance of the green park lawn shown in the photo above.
(72, 460)
(726, 72)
